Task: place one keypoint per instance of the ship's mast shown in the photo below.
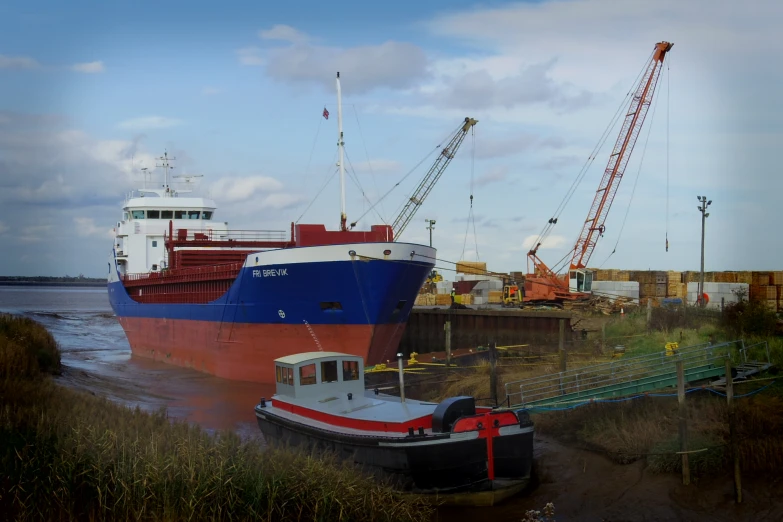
(165, 159)
(340, 145)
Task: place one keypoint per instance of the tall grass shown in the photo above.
(26, 348)
(69, 455)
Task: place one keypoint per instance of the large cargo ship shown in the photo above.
(189, 291)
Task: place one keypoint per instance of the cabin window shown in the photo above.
(137, 214)
(166, 214)
(154, 244)
(154, 268)
(279, 374)
(350, 370)
(331, 305)
(287, 375)
(193, 214)
(153, 214)
(125, 216)
(206, 215)
(329, 371)
(307, 374)
(180, 214)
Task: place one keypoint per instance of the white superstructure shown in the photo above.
(139, 237)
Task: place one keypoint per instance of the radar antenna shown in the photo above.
(166, 167)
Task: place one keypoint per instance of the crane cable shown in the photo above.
(369, 165)
(668, 97)
(438, 146)
(591, 158)
(471, 216)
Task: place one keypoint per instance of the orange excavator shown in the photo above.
(544, 285)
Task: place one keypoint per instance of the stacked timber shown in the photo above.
(517, 276)
(426, 300)
(471, 267)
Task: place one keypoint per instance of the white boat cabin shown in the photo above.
(318, 374)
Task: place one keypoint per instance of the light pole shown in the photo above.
(704, 215)
(431, 226)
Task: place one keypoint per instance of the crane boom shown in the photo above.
(432, 176)
(634, 119)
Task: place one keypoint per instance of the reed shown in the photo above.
(69, 455)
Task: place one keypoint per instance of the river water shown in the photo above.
(96, 357)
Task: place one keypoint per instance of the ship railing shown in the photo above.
(188, 234)
(184, 275)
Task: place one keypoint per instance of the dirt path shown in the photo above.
(585, 486)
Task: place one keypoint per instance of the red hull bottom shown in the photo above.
(246, 352)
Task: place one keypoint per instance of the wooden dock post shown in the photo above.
(561, 345)
(649, 314)
(732, 432)
(493, 376)
(447, 329)
(682, 413)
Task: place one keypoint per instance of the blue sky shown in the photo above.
(89, 94)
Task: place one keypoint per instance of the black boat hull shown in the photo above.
(434, 463)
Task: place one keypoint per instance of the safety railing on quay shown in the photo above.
(589, 379)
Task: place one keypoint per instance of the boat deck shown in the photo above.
(368, 415)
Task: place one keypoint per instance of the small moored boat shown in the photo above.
(454, 449)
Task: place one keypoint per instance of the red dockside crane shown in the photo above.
(546, 285)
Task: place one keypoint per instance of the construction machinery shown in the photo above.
(545, 284)
(513, 295)
(431, 177)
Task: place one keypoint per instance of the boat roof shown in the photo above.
(306, 356)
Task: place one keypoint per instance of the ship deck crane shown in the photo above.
(545, 284)
(436, 170)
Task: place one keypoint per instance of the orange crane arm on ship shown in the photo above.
(545, 284)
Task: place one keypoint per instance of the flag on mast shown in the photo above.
(326, 113)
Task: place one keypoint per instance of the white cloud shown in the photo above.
(149, 122)
(282, 201)
(233, 190)
(494, 174)
(210, 91)
(85, 226)
(250, 56)
(284, 33)
(89, 67)
(394, 65)
(17, 62)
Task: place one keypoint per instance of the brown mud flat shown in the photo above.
(586, 486)
(213, 403)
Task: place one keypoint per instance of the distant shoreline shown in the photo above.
(75, 284)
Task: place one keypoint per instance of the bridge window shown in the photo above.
(180, 214)
(279, 373)
(206, 215)
(137, 214)
(193, 214)
(153, 214)
(307, 374)
(329, 371)
(350, 371)
(166, 214)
